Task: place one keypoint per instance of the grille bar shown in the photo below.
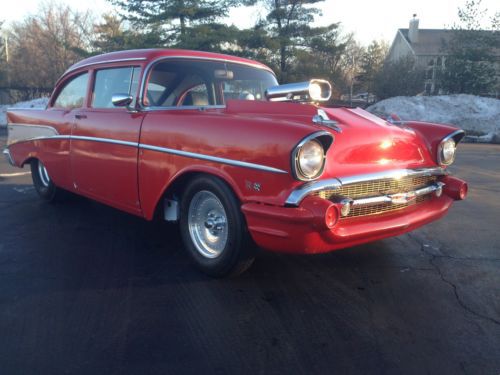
(377, 194)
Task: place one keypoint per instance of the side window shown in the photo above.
(197, 96)
(179, 83)
(109, 82)
(73, 94)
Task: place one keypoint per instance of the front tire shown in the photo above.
(213, 228)
(42, 182)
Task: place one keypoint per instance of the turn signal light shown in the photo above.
(331, 216)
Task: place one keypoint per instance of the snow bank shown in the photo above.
(35, 103)
(471, 113)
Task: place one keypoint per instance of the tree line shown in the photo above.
(38, 49)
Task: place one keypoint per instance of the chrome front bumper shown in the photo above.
(401, 198)
(306, 189)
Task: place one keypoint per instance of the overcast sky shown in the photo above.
(369, 19)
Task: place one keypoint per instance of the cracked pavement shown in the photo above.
(85, 289)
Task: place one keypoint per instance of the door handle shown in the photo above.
(80, 116)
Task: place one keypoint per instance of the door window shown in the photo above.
(109, 82)
(73, 94)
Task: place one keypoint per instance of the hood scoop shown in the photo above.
(321, 118)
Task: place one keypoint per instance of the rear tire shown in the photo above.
(213, 228)
(42, 182)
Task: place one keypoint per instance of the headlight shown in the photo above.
(446, 152)
(309, 160)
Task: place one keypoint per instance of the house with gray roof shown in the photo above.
(426, 46)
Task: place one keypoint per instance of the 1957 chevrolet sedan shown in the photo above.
(213, 142)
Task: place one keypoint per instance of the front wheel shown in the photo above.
(42, 182)
(213, 228)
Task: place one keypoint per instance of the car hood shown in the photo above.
(366, 143)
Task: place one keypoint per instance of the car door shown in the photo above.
(104, 141)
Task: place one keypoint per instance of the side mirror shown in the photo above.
(122, 100)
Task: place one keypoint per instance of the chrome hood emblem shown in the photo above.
(322, 119)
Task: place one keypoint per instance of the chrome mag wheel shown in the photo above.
(43, 174)
(207, 222)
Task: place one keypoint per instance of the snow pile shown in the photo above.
(478, 115)
(35, 103)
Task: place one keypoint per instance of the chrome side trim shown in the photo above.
(8, 156)
(297, 195)
(171, 151)
(131, 59)
(182, 108)
(216, 159)
(103, 140)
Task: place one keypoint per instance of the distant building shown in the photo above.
(426, 46)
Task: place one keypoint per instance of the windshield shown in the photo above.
(202, 83)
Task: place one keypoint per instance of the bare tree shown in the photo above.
(44, 45)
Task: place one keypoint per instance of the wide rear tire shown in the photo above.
(42, 182)
(213, 228)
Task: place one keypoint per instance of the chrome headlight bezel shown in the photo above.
(446, 152)
(319, 140)
(447, 148)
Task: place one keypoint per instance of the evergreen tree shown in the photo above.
(111, 35)
(471, 58)
(179, 22)
(289, 24)
(401, 78)
(371, 64)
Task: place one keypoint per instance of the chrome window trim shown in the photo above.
(165, 150)
(297, 195)
(153, 62)
(125, 60)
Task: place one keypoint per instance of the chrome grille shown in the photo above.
(386, 207)
(377, 188)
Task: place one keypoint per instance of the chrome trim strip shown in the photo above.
(297, 195)
(103, 140)
(177, 57)
(131, 59)
(187, 154)
(193, 155)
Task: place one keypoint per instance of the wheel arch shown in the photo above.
(175, 186)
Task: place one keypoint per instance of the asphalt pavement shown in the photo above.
(86, 289)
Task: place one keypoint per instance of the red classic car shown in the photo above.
(213, 142)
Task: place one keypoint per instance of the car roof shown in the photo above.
(149, 55)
